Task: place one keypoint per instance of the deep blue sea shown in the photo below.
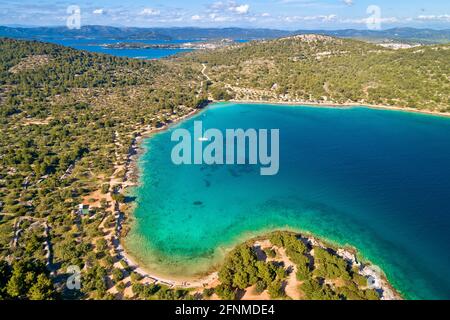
(377, 180)
(95, 45)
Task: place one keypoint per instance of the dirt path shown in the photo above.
(204, 73)
(291, 283)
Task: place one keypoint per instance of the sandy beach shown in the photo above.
(342, 106)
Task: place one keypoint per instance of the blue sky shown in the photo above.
(282, 14)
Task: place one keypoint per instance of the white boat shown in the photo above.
(203, 137)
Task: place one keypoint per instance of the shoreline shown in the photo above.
(347, 252)
(133, 179)
(341, 106)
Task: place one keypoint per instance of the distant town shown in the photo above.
(207, 45)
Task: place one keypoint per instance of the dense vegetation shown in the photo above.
(25, 279)
(321, 273)
(68, 120)
(322, 69)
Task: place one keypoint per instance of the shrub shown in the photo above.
(101, 244)
(260, 287)
(313, 290)
(120, 287)
(124, 264)
(105, 188)
(275, 289)
(303, 272)
(208, 292)
(118, 197)
(270, 253)
(221, 94)
(360, 280)
(117, 275)
(135, 277)
(276, 239)
(225, 292)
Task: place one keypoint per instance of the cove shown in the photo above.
(377, 180)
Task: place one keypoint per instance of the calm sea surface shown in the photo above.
(95, 45)
(374, 179)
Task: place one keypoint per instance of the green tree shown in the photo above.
(225, 292)
(276, 290)
(43, 289)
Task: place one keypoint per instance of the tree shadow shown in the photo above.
(129, 199)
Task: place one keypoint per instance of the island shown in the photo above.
(209, 45)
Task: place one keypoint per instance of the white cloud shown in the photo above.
(441, 17)
(150, 12)
(371, 20)
(265, 14)
(241, 9)
(330, 17)
(216, 18)
(348, 2)
(99, 11)
(231, 6)
(322, 18)
(195, 17)
(217, 6)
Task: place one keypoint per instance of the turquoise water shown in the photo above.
(374, 179)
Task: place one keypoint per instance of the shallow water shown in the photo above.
(374, 179)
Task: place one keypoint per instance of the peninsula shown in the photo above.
(210, 45)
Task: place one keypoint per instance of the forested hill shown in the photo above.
(67, 121)
(323, 69)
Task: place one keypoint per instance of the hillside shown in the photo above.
(68, 120)
(404, 35)
(322, 69)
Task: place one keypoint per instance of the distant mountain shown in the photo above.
(220, 33)
(84, 32)
(140, 33)
(409, 35)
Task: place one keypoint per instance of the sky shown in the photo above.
(274, 14)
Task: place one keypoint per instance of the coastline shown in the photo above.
(211, 278)
(204, 279)
(341, 106)
(132, 174)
